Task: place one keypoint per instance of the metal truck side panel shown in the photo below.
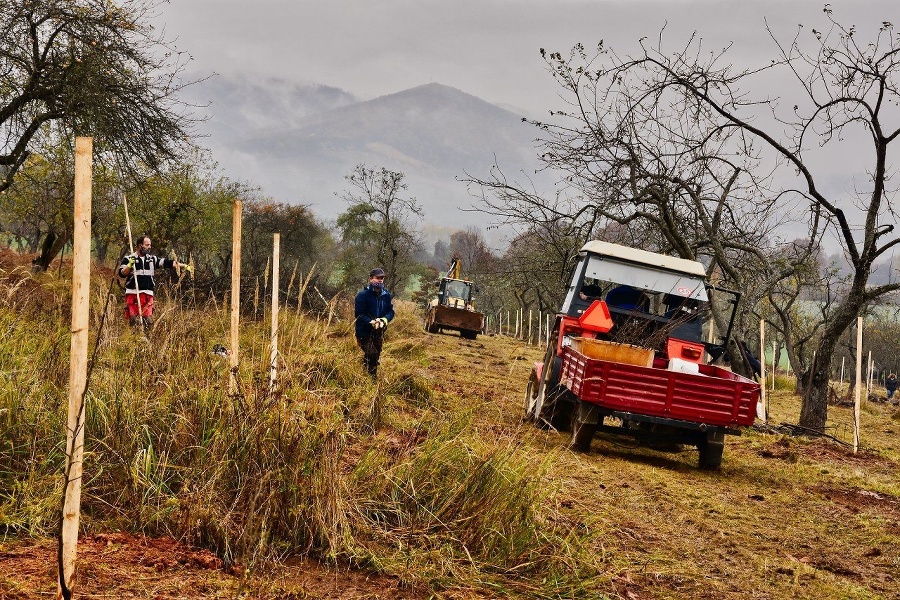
(715, 396)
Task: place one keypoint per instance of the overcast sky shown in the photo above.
(489, 48)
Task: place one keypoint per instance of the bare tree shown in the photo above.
(642, 166)
(375, 227)
(95, 68)
(846, 88)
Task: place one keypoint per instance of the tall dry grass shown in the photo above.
(329, 464)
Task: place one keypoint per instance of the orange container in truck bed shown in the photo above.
(715, 396)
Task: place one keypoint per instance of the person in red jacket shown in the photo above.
(138, 270)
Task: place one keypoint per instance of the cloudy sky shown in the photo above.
(489, 48)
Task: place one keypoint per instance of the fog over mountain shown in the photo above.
(297, 142)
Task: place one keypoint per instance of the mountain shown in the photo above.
(297, 143)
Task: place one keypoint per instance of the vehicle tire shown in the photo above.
(711, 449)
(531, 393)
(557, 408)
(468, 334)
(430, 327)
(582, 433)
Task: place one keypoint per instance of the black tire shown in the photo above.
(582, 433)
(430, 327)
(559, 404)
(531, 392)
(467, 334)
(711, 449)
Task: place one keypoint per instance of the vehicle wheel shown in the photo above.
(430, 327)
(531, 394)
(711, 448)
(557, 408)
(467, 334)
(582, 433)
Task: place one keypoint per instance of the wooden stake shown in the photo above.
(78, 357)
(276, 261)
(859, 340)
(870, 368)
(235, 294)
(762, 371)
(842, 372)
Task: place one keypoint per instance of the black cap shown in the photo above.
(376, 272)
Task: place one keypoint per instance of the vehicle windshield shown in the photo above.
(613, 273)
(457, 289)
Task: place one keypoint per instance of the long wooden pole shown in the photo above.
(235, 293)
(762, 371)
(78, 357)
(842, 372)
(858, 391)
(276, 262)
(870, 367)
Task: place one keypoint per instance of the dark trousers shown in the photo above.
(371, 348)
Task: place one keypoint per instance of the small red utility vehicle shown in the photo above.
(627, 356)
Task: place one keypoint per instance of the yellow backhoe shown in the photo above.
(453, 307)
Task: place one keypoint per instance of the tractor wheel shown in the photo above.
(468, 334)
(557, 408)
(711, 448)
(531, 394)
(430, 327)
(582, 433)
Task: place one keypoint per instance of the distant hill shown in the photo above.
(298, 142)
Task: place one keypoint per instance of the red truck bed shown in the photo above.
(715, 397)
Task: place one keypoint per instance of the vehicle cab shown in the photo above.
(651, 298)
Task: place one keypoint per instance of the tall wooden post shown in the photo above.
(235, 294)
(762, 372)
(276, 262)
(858, 391)
(870, 368)
(842, 371)
(78, 357)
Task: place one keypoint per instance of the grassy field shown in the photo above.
(428, 477)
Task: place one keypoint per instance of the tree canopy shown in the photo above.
(94, 68)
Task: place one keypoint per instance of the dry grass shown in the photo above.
(447, 490)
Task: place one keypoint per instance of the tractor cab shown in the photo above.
(455, 292)
(651, 298)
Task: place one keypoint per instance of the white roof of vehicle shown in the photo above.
(661, 261)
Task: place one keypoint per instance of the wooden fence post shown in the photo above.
(78, 358)
(235, 294)
(762, 371)
(859, 340)
(276, 265)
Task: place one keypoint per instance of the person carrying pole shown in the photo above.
(373, 310)
(138, 270)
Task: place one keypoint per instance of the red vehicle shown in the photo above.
(627, 356)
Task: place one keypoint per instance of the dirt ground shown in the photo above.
(119, 565)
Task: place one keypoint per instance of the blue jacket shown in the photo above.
(371, 304)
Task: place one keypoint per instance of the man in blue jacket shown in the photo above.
(373, 311)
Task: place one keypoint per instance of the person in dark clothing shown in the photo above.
(138, 270)
(890, 384)
(754, 363)
(373, 310)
